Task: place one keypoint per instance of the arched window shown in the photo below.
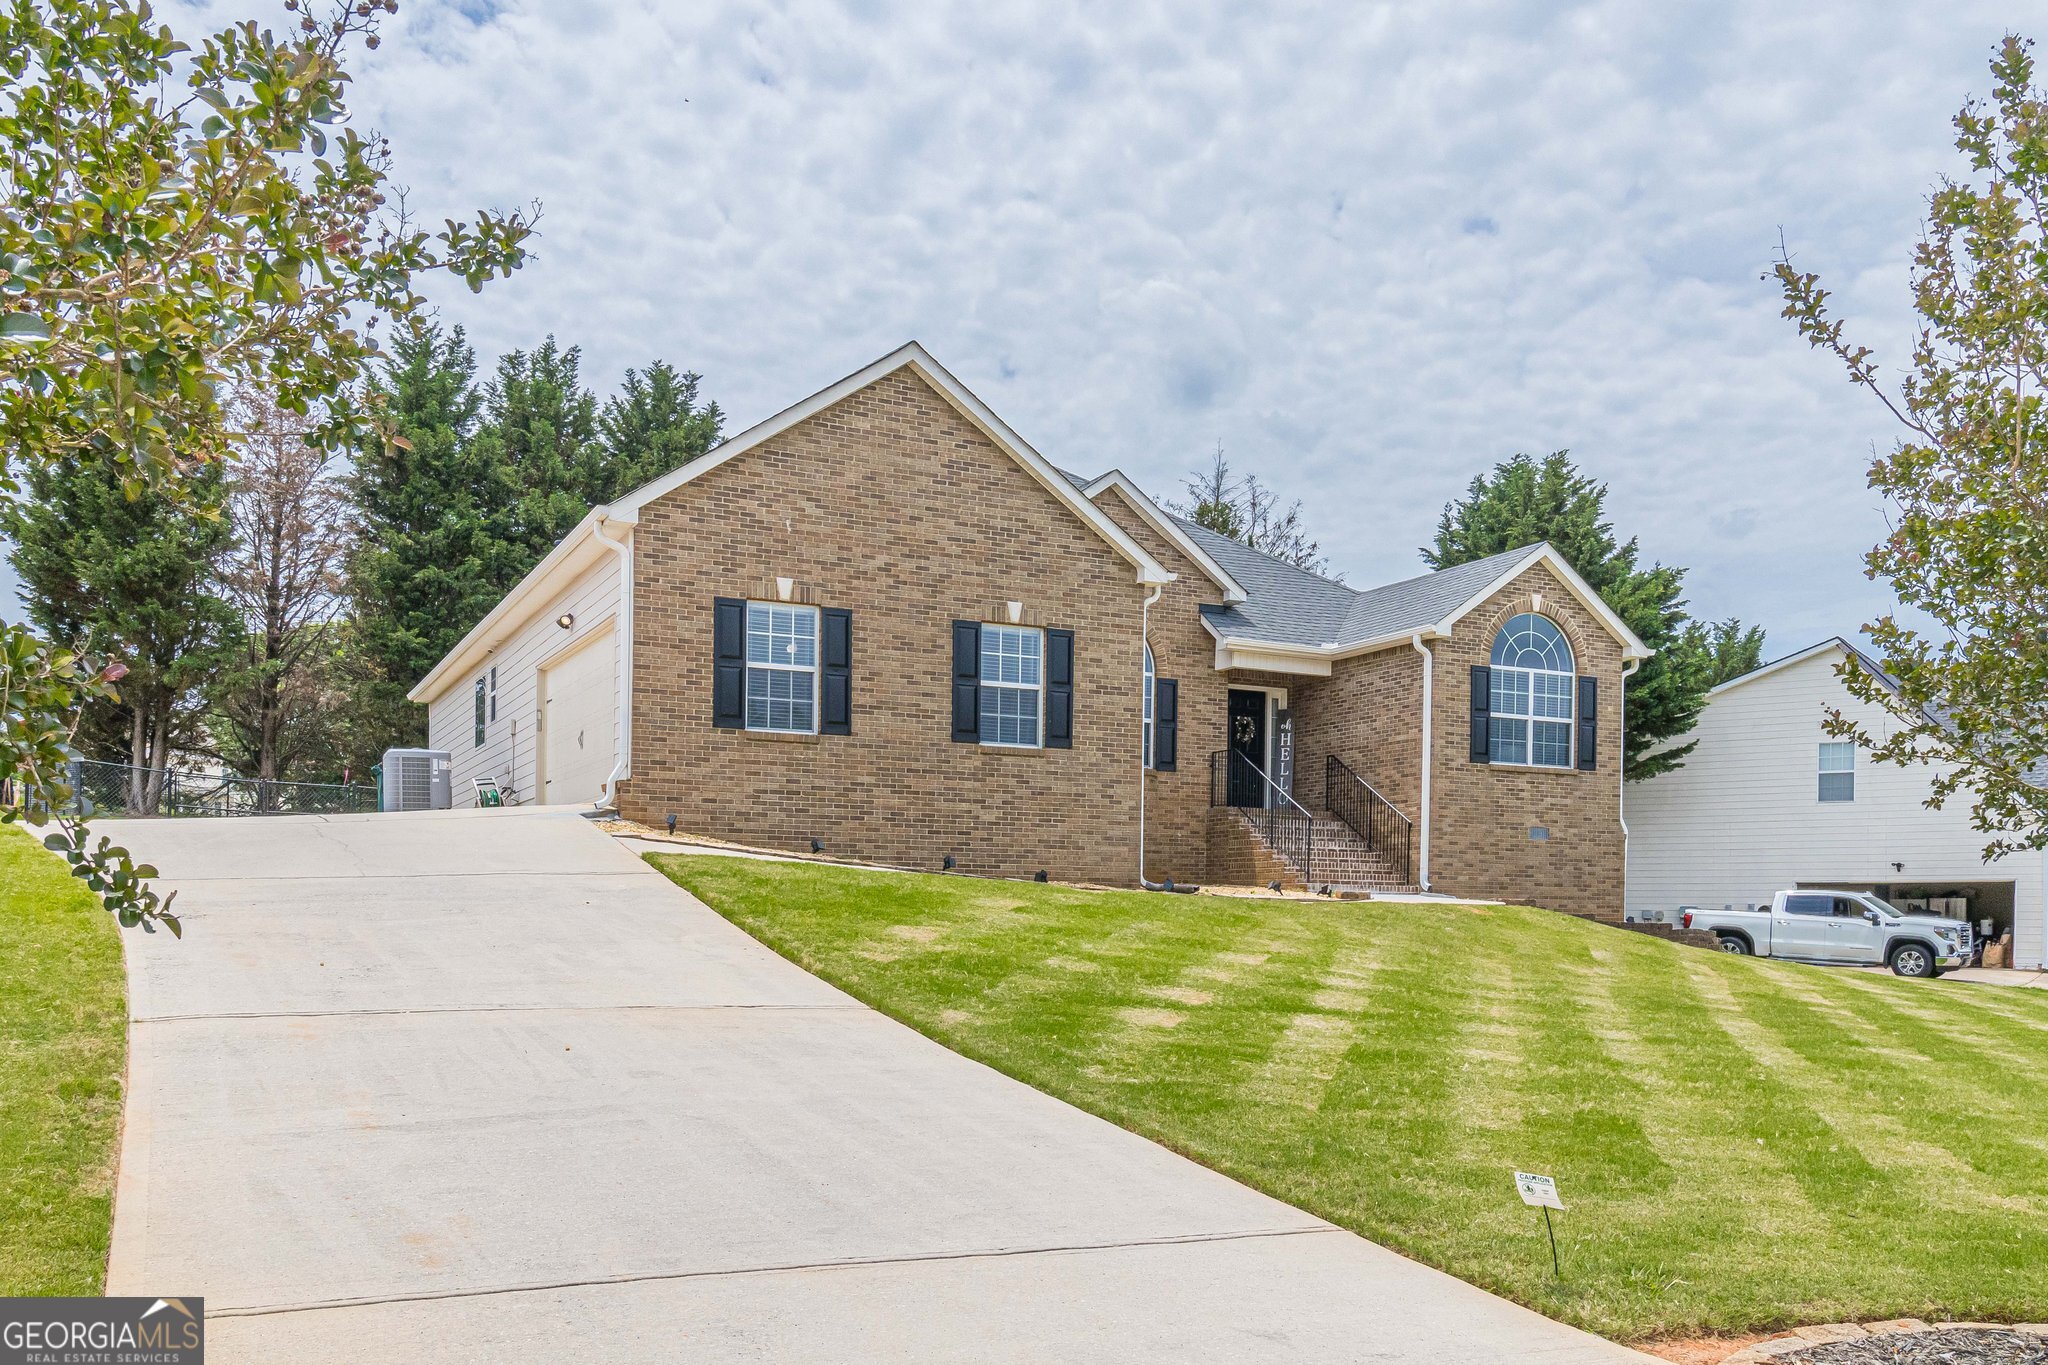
(1151, 676)
(1533, 677)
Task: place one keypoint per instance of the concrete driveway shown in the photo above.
(481, 1086)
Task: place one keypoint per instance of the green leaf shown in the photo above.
(23, 327)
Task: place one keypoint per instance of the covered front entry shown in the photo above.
(1247, 721)
(578, 698)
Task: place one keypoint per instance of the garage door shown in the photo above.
(578, 698)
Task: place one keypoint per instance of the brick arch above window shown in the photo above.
(1573, 631)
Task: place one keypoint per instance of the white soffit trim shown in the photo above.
(1153, 516)
(577, 551)
(914, 356)
(1632, 645)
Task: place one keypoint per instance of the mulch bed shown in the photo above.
(1943, 1346)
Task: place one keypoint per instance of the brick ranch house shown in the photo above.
(882, 621)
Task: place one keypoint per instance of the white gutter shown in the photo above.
(1428, 748)
(623, 642)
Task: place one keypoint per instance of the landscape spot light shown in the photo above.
(671, 822)
(817, 846)
(947, 865)
(1273, 885)
(1040, 876)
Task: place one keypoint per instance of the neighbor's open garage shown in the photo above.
(1987, 905)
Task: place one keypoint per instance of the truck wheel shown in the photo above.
(1736, 944)
(1911, 959)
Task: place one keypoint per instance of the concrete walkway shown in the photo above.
(483, 1087)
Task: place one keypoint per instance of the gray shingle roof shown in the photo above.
(1291, 606)
(1288, 605)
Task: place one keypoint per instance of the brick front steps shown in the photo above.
(1342, 860)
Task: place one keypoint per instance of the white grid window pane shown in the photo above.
(1009, 715)
(1507, 740)
(1510, 692)
(1011, 654)
(1838, 786)
(1838, 756)
(1550, 744)
(1551, 695)
(786, 637)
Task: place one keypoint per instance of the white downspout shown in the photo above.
(624, 644)
(1428, 749)
(1145, 643)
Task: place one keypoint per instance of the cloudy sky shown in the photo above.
(1370, 248)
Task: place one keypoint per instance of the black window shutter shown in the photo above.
(1589, 724)
(1165, 724)
(729, 663)
(966, 682)
(835, 674)
(1059, 689)
(1482, 712)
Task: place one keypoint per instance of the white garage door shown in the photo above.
(578, 698)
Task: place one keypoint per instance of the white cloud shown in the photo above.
(1371, 248)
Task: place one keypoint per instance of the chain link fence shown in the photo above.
(117, 789)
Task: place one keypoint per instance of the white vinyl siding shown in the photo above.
(1012, 686)
(1740, 820)
(509, 752)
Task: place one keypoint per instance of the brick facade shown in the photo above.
(892, 504)
(1480, 841)
(895, 506)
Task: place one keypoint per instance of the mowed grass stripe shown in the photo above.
(1743, 1144)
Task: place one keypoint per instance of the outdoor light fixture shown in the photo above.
(1273, 885)
(1040, 876)
(947, 865)
(566, 619)
(817, 846)
(671, 822)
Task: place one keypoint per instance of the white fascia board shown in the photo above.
(1834, 643)
(1155, 517)
(914, 356)
(575, 553)
(1632, 644)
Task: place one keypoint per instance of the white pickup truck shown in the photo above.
(1840, 926)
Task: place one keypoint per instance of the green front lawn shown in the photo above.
(1741, 1144)
(63, 1045)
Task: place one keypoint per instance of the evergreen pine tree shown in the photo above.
(653, 425)
(540, 425)
(436, 543)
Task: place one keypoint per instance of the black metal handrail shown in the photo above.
(1371, 816)
(1286, 826)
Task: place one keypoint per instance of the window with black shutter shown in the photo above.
(1589, 724)
(966, 682)
(1165, 724)
(1059, 689)
(1482, 713)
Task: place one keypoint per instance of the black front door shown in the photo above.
(1247, 748)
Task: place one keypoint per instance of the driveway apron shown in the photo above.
(482, 1086)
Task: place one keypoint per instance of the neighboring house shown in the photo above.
(880, 620)
(1770, 801)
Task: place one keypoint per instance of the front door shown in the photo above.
(1247, 747)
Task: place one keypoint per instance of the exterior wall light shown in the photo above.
(566, 619)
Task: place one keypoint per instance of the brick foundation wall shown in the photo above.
(1480, 844)
(1237, 857)
(891, 504)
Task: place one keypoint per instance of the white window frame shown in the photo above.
(1528, 715)
(1151, 684)
(794, 670)
(1836, 748)
(1037, 689)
